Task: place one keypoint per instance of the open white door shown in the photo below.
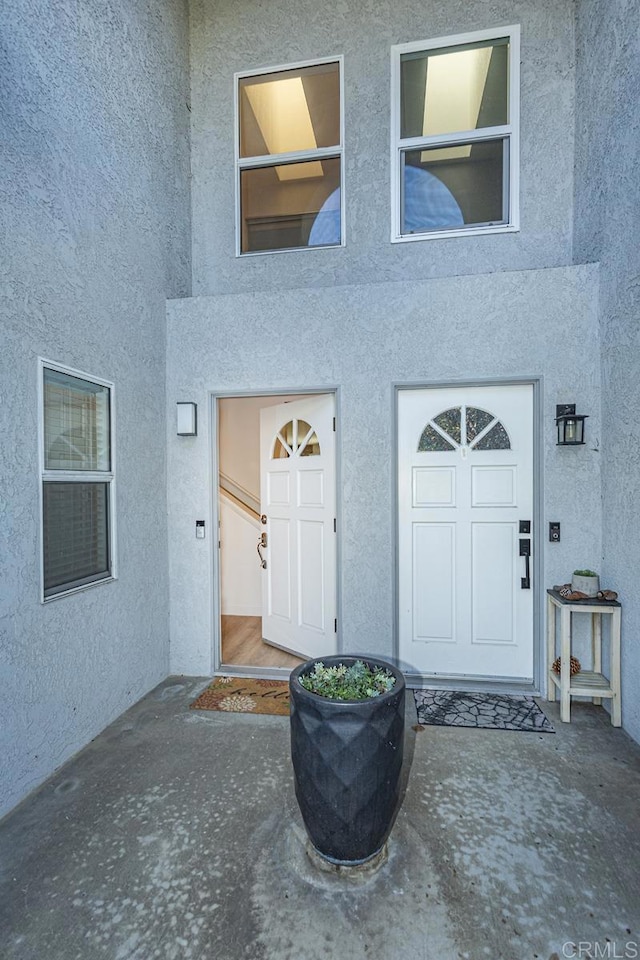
(465, 483)
(298, 496)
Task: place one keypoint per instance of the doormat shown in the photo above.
(239, 695)
(494, 711)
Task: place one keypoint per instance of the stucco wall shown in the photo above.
(227, 36)
(95, 220)
(363, 338)
(607, 207)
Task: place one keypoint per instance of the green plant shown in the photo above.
(356, 682)
(584, 573)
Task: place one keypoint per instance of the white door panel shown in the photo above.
(298, 484)
(434, 581)
(278, 571)
(465, 481)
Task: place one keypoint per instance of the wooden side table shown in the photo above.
(587, 683)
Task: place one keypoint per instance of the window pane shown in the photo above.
(454, 89)
(76, 536)
(496, 439)
(280, 452)
(477, 420)
(432, 441)
(450, 421)
(454, 186)
(291, 205)
(76, 423)
(312, 446)
(291, 110)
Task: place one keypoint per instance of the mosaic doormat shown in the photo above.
(444, 708)
(238, 695)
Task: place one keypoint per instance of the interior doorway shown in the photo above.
(277, 530)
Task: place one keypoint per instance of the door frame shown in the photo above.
(417, 680)
(267, 673)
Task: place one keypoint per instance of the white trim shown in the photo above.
(297, 156)
(272, 160)
(463, 136)
(509, 132)
(73, 476)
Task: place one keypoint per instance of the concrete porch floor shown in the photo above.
(177, 835)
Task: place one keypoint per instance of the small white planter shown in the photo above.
(586, 585)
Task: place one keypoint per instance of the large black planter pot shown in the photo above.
(347, 757)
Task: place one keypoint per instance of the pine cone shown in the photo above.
(574, 666)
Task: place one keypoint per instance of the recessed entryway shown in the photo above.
(278, 531)
(465, 526)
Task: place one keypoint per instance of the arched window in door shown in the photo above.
(463, 427)
(296, 438)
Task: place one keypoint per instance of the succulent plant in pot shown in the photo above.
(585, 581)
(347, 731)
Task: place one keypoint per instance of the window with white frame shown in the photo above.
(455, 135)
(77, 480)
(289, 146)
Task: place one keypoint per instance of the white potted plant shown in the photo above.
(585, 581)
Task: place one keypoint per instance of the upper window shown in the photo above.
(455, 135)
(77, 480)
(289, 158)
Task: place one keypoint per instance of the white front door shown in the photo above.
(298, 497)
(465, 483)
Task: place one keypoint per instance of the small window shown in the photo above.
(297, 438)
(455, 135)
(289, 158)
(463, 427)
(77, 481)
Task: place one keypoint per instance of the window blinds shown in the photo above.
(76, 423)
(76, 541)
(76, 482)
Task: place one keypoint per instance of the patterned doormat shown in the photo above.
(444, 708)
(238, 695)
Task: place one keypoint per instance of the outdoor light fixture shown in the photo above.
(187, 420)
(570, 425)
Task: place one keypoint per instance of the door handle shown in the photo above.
(525, 551)
(262, 542)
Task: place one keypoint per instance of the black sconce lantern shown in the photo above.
(570, 425)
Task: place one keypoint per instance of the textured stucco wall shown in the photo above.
(607, 205)
(94, 215)
(227, 36)
(363, 338)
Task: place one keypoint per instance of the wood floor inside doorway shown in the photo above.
(243, 646)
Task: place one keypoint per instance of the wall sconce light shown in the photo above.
(187, 420)
(570, 425)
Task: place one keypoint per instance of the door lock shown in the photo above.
(263, 518)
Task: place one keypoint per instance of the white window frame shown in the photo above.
(275, 159)
(509, 131)
(77, 476)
